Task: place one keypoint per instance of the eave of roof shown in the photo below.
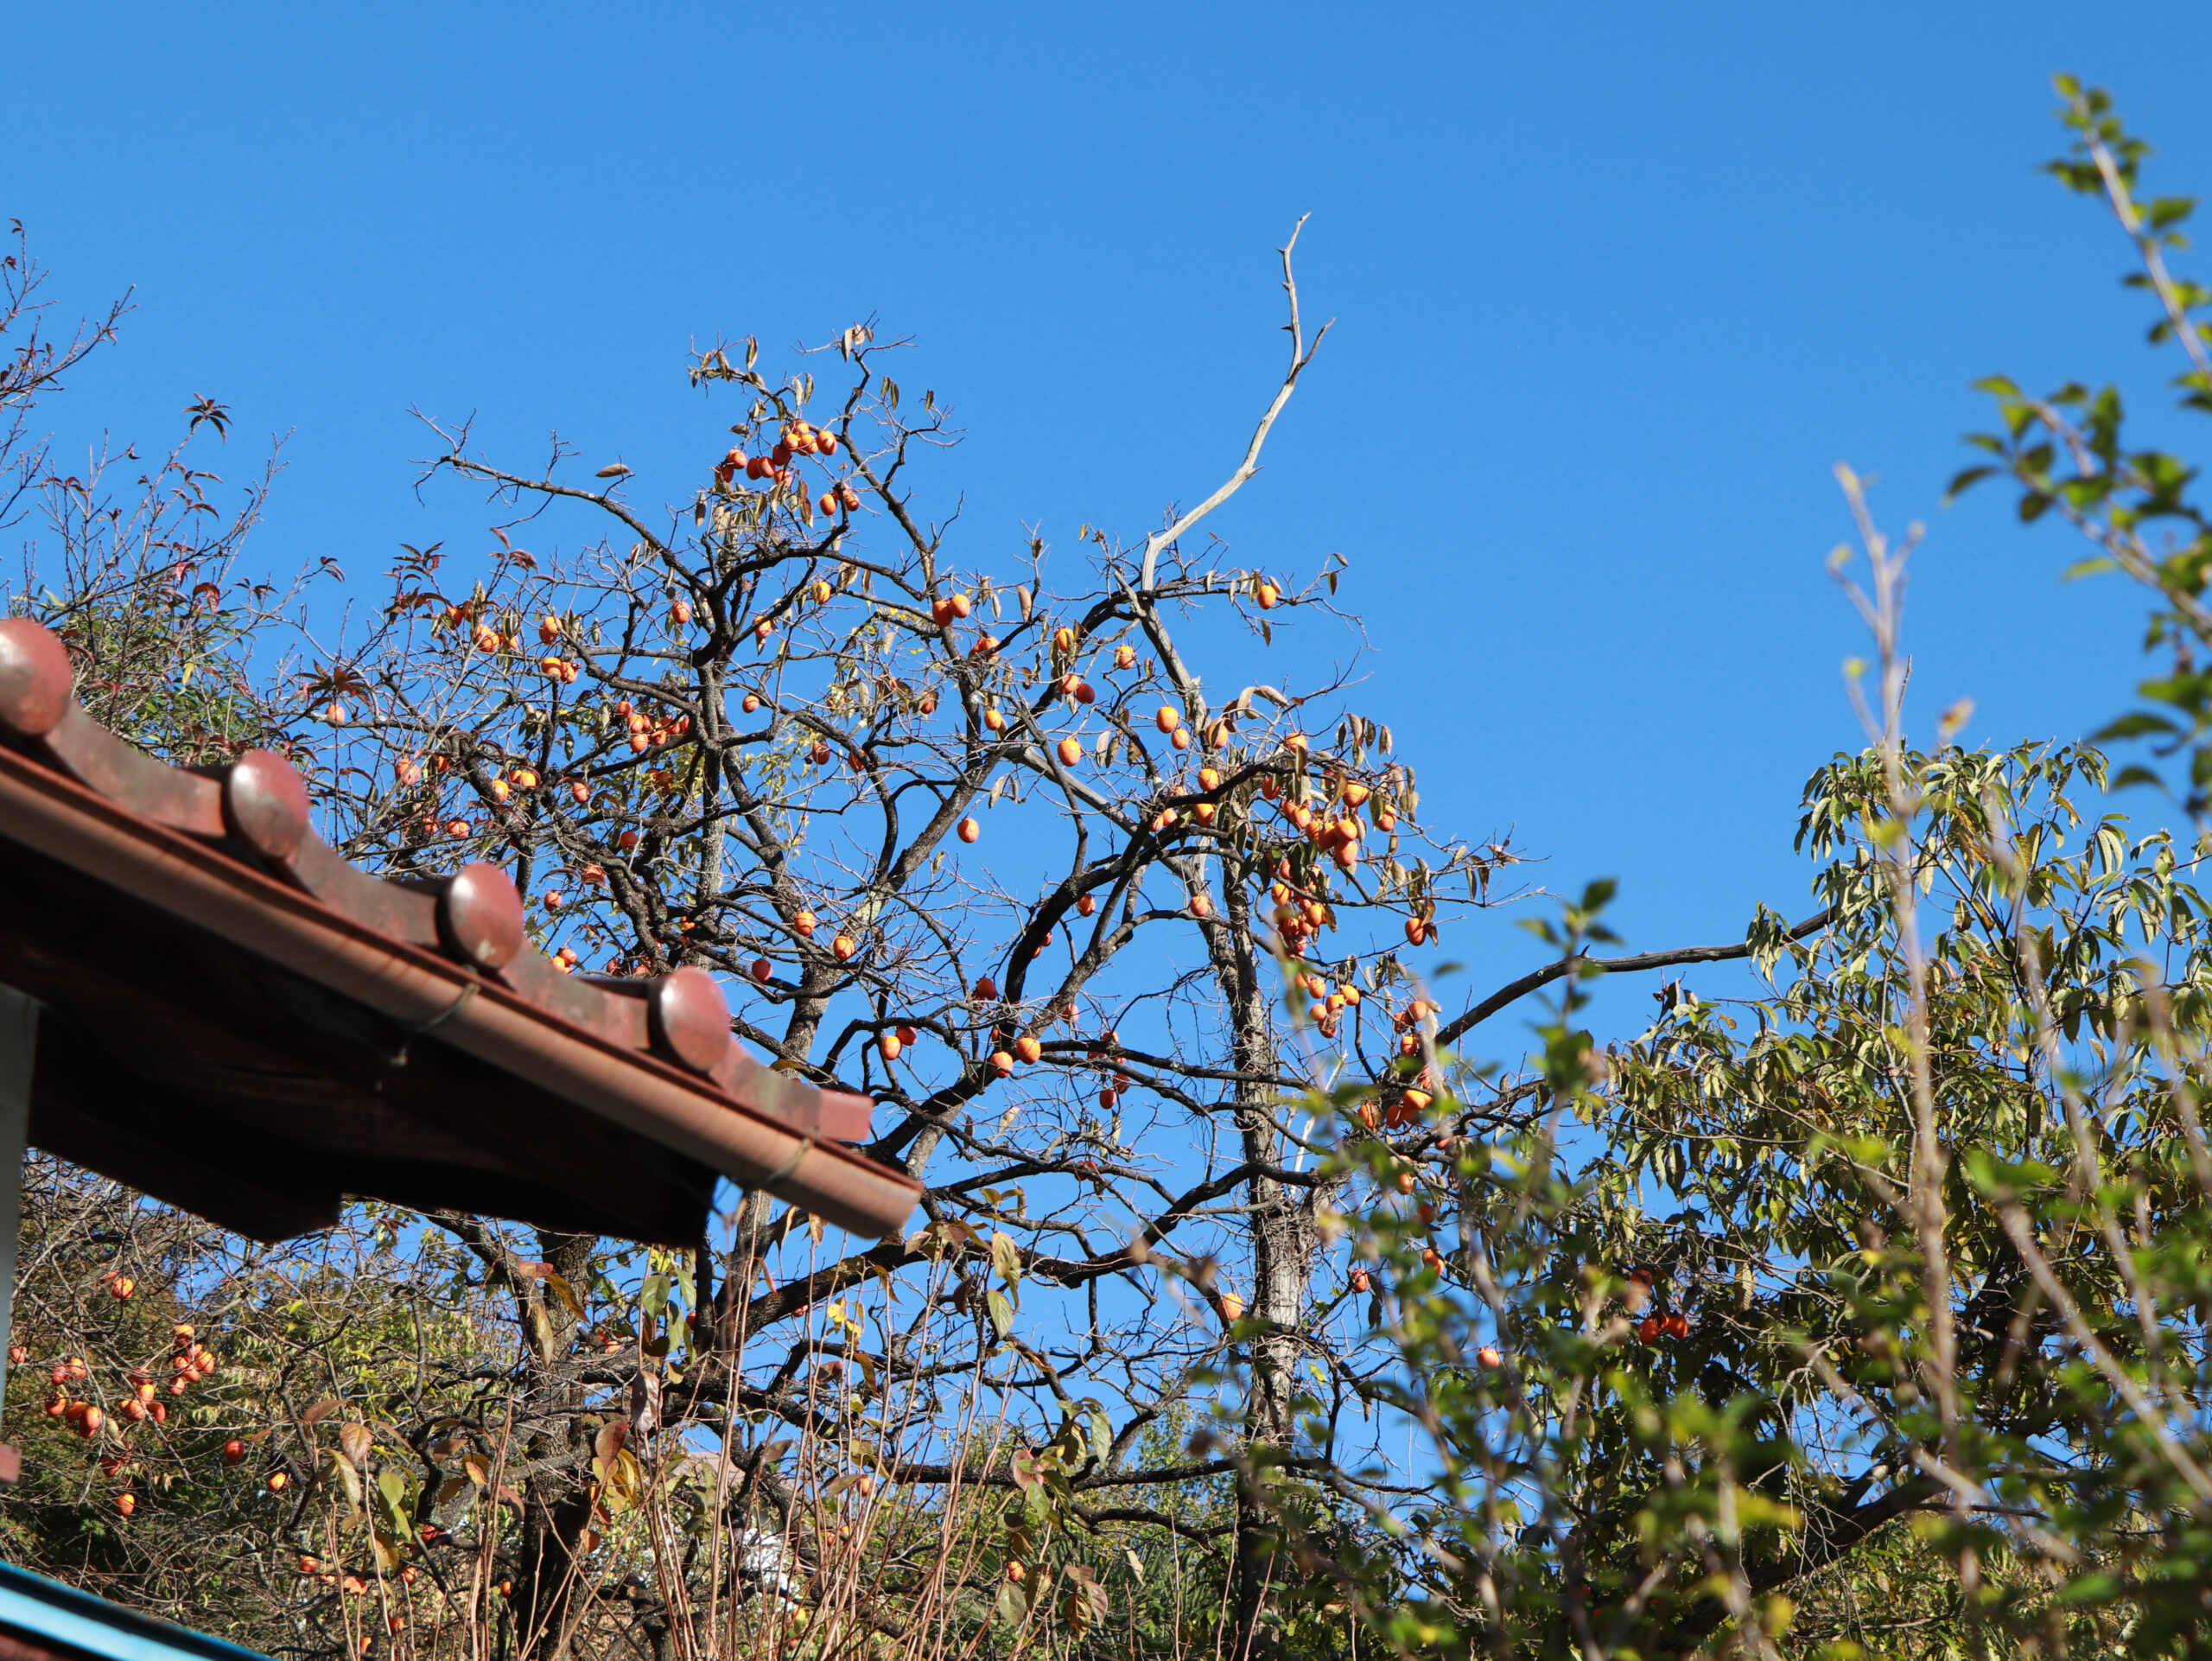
(401, 1040)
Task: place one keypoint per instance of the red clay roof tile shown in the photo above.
(239, 1022)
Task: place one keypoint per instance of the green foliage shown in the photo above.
(2019, 1383)
(2068, 452)
(1869, 1315)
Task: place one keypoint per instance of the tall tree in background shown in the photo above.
(766, 734)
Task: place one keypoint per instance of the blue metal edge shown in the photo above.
(63, 1615)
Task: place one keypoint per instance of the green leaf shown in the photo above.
(391, 1496)
(2002, 1180)
(1962, 480)
(2165, 211)
(2095, 1587)
(1102, 1436)
(2135, 725)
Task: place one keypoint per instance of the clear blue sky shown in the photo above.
(1614, 287)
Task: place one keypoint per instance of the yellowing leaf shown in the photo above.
(1006, 1258)
(621, 1479)
(566, 1293)
(349, 1477)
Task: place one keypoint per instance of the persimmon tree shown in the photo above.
(975, 835)
(981, 839)
(764, 734)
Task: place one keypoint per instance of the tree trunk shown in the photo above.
(556, 1502)
(1284, 1241)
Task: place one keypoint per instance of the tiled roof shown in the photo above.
(239, 1022)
